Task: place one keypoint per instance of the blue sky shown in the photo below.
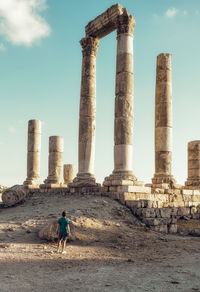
(40, 74)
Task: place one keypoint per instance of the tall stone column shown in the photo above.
(123, 127)
(55, 175)
(193, 164)
(33, 154)
(163, 122)
(87, 115)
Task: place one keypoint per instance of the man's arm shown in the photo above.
(68, 228)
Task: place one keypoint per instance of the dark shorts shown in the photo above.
(62, 235)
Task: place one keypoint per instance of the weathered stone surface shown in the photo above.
(49, 231)
(123, 131)
(124, 83)
(55, 175)
(173, 228)
(163, 164)
(87, 122)
(33, 153)
(124, 62)
(104, 23)
(125, 23)
(87, 128)
(163, 122)
(68, 173)
(14, 195)
(193, 164)
(123, 106)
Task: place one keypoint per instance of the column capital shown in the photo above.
(89, 46)
(125, 23)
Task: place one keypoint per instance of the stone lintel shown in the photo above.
(105, 23)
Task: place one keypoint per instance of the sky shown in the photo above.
(40, 75)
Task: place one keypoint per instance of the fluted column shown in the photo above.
(55, 175)
(163, 121)
(87, 115)
(33, 154)
(123, 127)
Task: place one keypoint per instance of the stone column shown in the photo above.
(33, 154)
(193, 164)
(163, 121)
(56, 146)
(123, 128)
(68, 173)
(87, 115)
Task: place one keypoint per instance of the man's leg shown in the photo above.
(59, 240)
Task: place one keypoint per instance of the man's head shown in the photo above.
(64, 214)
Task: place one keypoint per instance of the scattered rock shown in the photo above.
(194, 232)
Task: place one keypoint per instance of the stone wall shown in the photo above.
(160, 209)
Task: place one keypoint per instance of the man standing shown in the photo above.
(63, 230)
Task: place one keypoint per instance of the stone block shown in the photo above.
(165, 212)
(157, 212)
(160, 228)
(151, 221)
(104, 23)
(197, 192)
(183, 211)
(193, 210)
(195, 216)
(187, 192)
(148, 213)
(174, 211)
(172, 229)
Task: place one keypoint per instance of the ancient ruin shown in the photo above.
(55, 176)
(33, 154)
(115, 18)
(163, 122)
(158, 204)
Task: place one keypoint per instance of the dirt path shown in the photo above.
(112, 250)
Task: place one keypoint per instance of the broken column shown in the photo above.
(33, 154)
(87, 114)
(55, 176)
(163, 122)
(68, 173)
(193, 164)
(123, 129)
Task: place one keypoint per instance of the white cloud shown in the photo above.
(21, 22)
(171, 12)
(2, 47)
(11, 129)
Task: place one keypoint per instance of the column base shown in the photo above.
(52, 180)
(84, 180)
(32, 183)
(163, 181)
(121, 178)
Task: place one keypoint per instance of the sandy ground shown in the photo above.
(112, 250)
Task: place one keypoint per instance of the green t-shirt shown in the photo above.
(63, 224)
